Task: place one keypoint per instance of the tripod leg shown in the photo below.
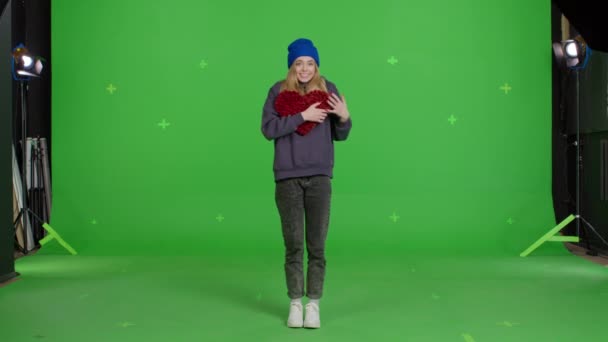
(18, 217)
(54, 235)
(18, 240)
(549, 236)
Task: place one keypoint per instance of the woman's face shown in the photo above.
(305, 68)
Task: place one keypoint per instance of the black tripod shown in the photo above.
(552, 234)
(24, 210)
(579, 165)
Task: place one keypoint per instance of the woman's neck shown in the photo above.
(303, 86)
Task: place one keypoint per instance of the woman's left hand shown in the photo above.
(339, 106)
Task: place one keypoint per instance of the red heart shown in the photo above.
(290, 102)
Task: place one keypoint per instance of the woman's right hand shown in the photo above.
(314, 114)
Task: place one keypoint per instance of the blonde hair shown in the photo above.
(291, 81)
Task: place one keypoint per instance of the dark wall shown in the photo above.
(589, 18)
(7, 264)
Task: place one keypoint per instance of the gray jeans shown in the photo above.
(300, 199)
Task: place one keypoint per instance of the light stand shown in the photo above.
(573, 54)
(24, 205)
(577, 143)
(24, 66)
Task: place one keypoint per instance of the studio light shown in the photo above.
(572, 49)
(572, 53)
(24, 64)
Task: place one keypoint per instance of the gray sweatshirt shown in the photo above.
(301, 156)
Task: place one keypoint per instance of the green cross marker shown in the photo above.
(394, 217)
(164, 124)
(452, 119)
(468, 338)
(220, 218)
(111, 89)
(506, 88)
(392, 60)
(203, 64)
(126, 324)
(508, 324)
(510, 221)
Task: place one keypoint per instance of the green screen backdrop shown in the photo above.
(156, 131)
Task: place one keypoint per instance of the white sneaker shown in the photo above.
(296, 315)
(312, 316)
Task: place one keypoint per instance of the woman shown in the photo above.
(304, 115)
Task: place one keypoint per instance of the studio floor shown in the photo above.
(67, 298)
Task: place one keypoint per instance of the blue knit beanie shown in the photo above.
(302, 47)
